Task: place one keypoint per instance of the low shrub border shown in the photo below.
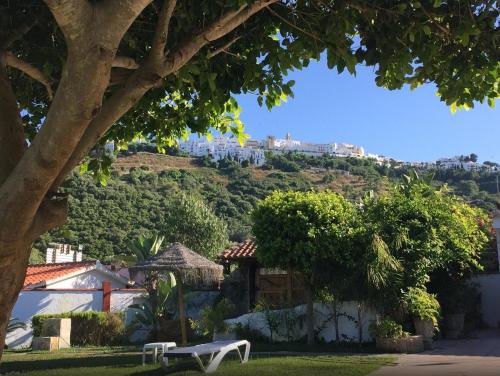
(89, 328)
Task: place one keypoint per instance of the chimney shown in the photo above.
(57, 253)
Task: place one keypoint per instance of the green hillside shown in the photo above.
(135, 199)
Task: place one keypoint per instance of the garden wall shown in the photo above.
(32, 302)
(323, 316)
(489, 287)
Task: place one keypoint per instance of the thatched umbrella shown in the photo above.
(189, 269)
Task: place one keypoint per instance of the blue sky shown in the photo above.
(403, 124)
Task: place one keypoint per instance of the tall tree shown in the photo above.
(306, 231)
(76, 73)
(190, 221)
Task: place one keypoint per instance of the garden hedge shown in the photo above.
(89, 328)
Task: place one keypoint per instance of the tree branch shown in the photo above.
(223, 48)
(124, 62)
(52, 213)
(313, 36)
(12, 140)
(14, 62)
(71, 16)
(227, 23)
(93, 31)
(161, 30)
(147, 76)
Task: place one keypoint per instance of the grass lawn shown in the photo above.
(114, 362)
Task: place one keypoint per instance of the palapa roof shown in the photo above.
(192, 268)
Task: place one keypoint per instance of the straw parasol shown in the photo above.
(189, 268)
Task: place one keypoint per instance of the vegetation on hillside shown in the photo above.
(138, 197)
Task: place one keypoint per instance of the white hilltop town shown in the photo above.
(254, 151)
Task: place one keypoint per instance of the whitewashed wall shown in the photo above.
(348, 328)
(30, 303)
(91, 279)
(489, 286)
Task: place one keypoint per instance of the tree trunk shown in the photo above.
(182, 313)
(310, 317)
(360, 323)
(336, 320)
(11, 283)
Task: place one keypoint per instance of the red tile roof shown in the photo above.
(37, 274)
(243, 250)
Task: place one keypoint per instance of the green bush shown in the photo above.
(212, 318)
(386, 328)
(89, 328)
(421, 304)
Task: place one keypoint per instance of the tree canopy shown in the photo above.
(74, 74)
(308, 232)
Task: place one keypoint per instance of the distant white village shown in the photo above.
(254, 151)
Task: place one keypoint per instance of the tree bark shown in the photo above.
(11, 282)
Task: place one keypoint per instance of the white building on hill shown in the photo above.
(288, 144)
(222, 147)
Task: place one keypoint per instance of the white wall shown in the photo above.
(91, 279)
(347, 323)
(30, 303)
(489, 286)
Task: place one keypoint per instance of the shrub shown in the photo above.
(421, 304)
(386, 328)
(89, 328)
(212, 318)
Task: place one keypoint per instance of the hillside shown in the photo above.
(104, 219)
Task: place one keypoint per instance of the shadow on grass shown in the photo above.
(36, 364)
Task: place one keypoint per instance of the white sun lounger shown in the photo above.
(217, 350)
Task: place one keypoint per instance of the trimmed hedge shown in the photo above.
(89, 328)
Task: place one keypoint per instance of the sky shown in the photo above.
(402, 124)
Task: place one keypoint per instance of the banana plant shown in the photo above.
(150, 314)
(144, 247)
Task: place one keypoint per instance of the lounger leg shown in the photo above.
(247, 352)
(214, 364)
(200, 363)
(239, 354)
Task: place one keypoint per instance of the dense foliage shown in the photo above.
(136, 201)
(106, 219)
(427, 230)
(303, 230)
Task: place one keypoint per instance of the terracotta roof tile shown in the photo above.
(37, 274)
(242, 250)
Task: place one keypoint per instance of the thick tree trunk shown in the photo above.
(11, 283)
